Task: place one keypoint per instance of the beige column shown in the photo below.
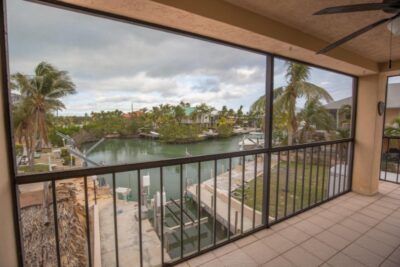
(8, 255)
(368, 141)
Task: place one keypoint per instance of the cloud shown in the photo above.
(115, 64)
(139, 83)
(395, 79)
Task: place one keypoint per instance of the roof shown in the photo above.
(189, 110)
(393, 95)
(393, 99)
(339, 103)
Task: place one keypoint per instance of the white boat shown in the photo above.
(238, 130)
(252, 140)
(210, 133)
(154, 134)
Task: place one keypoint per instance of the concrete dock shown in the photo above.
(128, 236)
(207, 197)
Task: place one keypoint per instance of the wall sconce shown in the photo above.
(381, 108)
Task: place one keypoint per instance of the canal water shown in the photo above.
(120, 151)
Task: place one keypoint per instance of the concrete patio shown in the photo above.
(352, 230)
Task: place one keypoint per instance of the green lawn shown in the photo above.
(317, 193)
(36, 168)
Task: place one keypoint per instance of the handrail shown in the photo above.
(334, 175)
(307, 145)
(391, 137)
(65, 174)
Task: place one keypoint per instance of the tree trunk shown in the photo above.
(290, 134)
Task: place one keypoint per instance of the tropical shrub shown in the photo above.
(224, 127)
(56, 140)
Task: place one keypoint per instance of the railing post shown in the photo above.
(229, 196)
(181, 208)
(87, 221)
(353, 130)
(115, 220)
(242, 204)
(269, 85)
(214, 204)
(255, 191)
(53, 187)
(162, 214)
(295, 181)
(199, 207)
(287, 180)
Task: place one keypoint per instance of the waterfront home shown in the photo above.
(194, 117)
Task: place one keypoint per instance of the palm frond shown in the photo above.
(311, 90)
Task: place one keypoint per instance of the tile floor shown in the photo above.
(352, 230)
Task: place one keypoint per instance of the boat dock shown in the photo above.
(222, 198)
(128, 236)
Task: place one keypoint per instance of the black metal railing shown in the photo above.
(163, 212)
(390, 159)
(308, 176)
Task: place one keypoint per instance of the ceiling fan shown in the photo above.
(388, 6)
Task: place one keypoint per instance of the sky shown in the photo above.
(117, 65)
(394, 79)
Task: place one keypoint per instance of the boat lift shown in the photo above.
(64, 137)
(181, 221)
(75, 151)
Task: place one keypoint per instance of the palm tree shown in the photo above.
(285, 97)
(394, 129)
(314, 116)
(41, 95)
(345, 114)
(179, 113)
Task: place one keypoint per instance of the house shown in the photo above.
(339, 112)
(193, 117)
(336, 108)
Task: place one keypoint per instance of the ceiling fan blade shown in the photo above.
(352, 8)
(355, 34)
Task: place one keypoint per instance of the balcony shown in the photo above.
(351, 230)
(204, 213)
(185, 137)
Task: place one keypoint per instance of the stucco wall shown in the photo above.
(369, 129)
(7, 244)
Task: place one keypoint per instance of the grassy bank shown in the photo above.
(308, 190)
(36, 168)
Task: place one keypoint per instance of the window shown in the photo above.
(126, 94)
(392, 112)
(310, 104)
